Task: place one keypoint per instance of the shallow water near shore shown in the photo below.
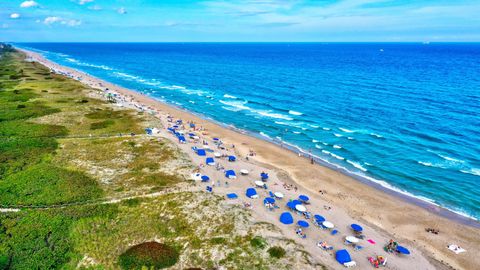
(403, 115)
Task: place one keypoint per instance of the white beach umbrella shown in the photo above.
(300, 208)
(217, 154)
(244, 172)
(278, 194)
(352, 239)
(328, 224)
(259, 183)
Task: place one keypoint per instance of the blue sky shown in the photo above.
(240, 20)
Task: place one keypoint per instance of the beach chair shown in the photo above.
(358, 248)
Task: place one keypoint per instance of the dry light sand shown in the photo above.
(382, 216)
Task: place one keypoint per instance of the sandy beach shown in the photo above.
(336, 196)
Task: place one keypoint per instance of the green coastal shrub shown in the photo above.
(149, 254)
(276, 252)
(258, 242)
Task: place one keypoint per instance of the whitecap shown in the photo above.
(346, 130)
(337, 135)
(325, 128)
(357, 165)
(376, 135)
(337, 146)
(473, 171)
(318, 146)
(314, 126)
(294, 112)
(315, 141)
(273, 115)
(296, 132)
(229, 96)
(265, 135)
(350, 138)
(337, 156)
(326, 152)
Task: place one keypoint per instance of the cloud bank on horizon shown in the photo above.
(240, 20)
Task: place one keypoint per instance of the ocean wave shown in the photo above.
(315, 141)
(272, 115)
(314, 126)
(326, 128)
(350, 138)
(472, 171)
(229, 96)
(265, 135)
(79, 63)
(296, 132)
(333, 155)
(318, 146)
(337, 135)
(346, 130)
(451, 159)
(337, 146)
(376, 135)
(294, 112)
(357, 165)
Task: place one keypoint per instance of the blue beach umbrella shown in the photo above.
(251, 193)
(303, 223)
(201, 152)
(304, 198)
(269, 200)
(403, 250)
(319, 218)
(286, 218)
(205, 178)
(356, 227)
(264, 176)
(232, 158)
(342, 256)
(293, 204)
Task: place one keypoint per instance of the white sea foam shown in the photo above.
(346, 130)
(318, 146)
(376, 135)
(326, 152)
(350, 138)
(314, 126)
(324, 143)
(326, 128)
(337, 156)
(315, 141)
(451, 159)
(265, 135)
(337, 135)
(273, 115)
(473, 171)
(229, 96)
(296, 132)
(424, 163)
(294, 112)
(357, 165)
(238, 104)
(337, 146)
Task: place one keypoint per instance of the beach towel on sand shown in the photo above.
(371, 241)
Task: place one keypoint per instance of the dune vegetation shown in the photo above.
(91, 191)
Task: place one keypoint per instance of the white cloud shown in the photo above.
(14, 16)
(83, 2)
(122, 10)
(28, 4)
(68, 22)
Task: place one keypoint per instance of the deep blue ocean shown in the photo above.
(406, 116)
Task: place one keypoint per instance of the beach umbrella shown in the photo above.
(352, 239)
(217, 155)
(251, 193)
(293, 204)
(181, 138)
(328, 224)
(403, 250)
(356, 227)
(259, 183)
(232, 158)
(210, 161)
(264, 176)
(304, 198)
(230, 174)
(342, 256)
(244, 172)
(278, 195)
(286, 218)
(269, 200)
(232, 196)
(201, 152)
(303, 223)
(300, 208)
(319, 218)
(205, 178)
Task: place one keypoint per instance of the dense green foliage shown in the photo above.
(276, 252)
(149, 254)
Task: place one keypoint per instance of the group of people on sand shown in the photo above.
(431, 230)
(324, 245)
(289, 186)
(300, 233)
(391, 246)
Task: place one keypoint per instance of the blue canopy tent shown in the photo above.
(269, 200)
(232, 158)
(251, 193)
(303, 223)
(343, 256)
(293, 204)
(264, 176)
(205, 178)
(303, 198)
(356, 227)
(232, 196)
(210, 161)
(230, 174)
(319, 219)
(286, 218)
(403, 250)
(201, 152)
(181, 138)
